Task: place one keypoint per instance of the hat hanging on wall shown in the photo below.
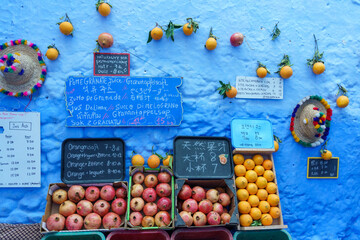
(22, 68)
(310, 121)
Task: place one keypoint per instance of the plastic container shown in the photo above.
(263, 235)
(75, 236)
(138, 235)
(202, 234)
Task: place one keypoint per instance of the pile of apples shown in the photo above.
(82, 208)
(150, 200)
(201, 207)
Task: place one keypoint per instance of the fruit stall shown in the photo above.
(179, 120)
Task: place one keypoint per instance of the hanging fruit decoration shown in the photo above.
(156, 33)
(105, 40)
(285, 69)
(190, 27)
(342, 101)
(52, 53)
(316, 63)
(103, 7)
(211, 42)
(276, 143)
(325, 154)
(262, 71)
(66, 26)
(226, 90)
(237, 39)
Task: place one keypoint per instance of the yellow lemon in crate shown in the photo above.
(261, 182)
(273, 200)
(275, 212)
(255, 213)
(271, 187)
(238, 159)
(239, 170)
(251, 176)
(242, 194)
(249, 164)
(258, 159)
(262, 194)
(245, 220)
(266, 220)
(269, 175)
(253, 200)
(241, 182)
(264, 206)
(252, 188)
(259, 170)
(244, 207)
(267, 164)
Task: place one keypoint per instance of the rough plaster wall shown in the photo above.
(313, 209)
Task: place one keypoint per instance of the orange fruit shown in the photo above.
(286, 72)
(66, 28)
(242, 194)
(52, 53)
(251, 176)
(262, 194)
(255, 213)
(240, 170)
(166, 161)
(153, 161)
(231, 93)
(267, 164)
(259, 170)
(104, 9)
(210, 43)
(271, 187)
(264, 206)
(274, 212)
(326, 155)
(269, 175)
(261, 182)
(245, 220)
(266, 220)
(241, 182)
(187, 30)
(318, 68)
(137, 160)
(253, 200)
(258, 159)
(261, 72)
(252, 188)
(156, 33)
(249, 164)
(273, 200)
(244, 207)
(276, 146)
(342, 101)
(238, 159)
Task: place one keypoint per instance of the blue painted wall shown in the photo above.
(313, 209)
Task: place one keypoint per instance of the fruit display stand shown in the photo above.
(205, 162)
(138, 235)
(115, 164)
(262, 235)
(218, 233)
(75, 235)
(146, 172)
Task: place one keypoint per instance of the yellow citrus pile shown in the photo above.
(256, 190)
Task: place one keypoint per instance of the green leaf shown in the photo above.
(149, 38)
(276, 32)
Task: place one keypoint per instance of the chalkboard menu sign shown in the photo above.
(111, 64)
(93, 160)
(202, 158)
(320, 168)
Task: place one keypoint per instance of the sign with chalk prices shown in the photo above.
(111, 64)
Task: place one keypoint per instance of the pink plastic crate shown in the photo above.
(202, 234)
(138, 235)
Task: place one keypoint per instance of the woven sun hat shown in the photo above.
(22, 68)
(310, 121)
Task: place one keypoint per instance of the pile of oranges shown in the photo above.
(257, 192)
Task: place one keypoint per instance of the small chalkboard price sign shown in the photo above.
(320, 168)
(202, 157)
(111, 64)
(92, 160)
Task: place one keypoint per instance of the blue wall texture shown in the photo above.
(313, 209)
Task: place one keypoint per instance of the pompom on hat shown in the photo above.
(310, 121)
(22, 68)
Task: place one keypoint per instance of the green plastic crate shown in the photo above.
(262, 235)
(75, 236)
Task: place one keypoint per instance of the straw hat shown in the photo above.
(22, 68)
(310, 121)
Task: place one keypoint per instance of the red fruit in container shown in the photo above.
(212, 195)
(111, 220)
(101, 207)
(150, 209)
(187, 218)
(190, 205)
(213, 218)
(59, 196)
(199, 219)
(225, 218)
(162, 219)
(164, 204)
(198, 193)
(92, 194)
(120, 193)
(136, 190)
(163, 190)
(150, 181)
(76, 193)
(56, 222)
(84, 207)
(118, 206)
(148, 221)
(92, 221)
(205, 206)
(135, 218)
(74, 222)
(137, 204)
(149, 195)
(138, 178)
(67, 208)
(217, 207)
(107, 193)
(164, 177)
(224, 199)
(185, 192)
